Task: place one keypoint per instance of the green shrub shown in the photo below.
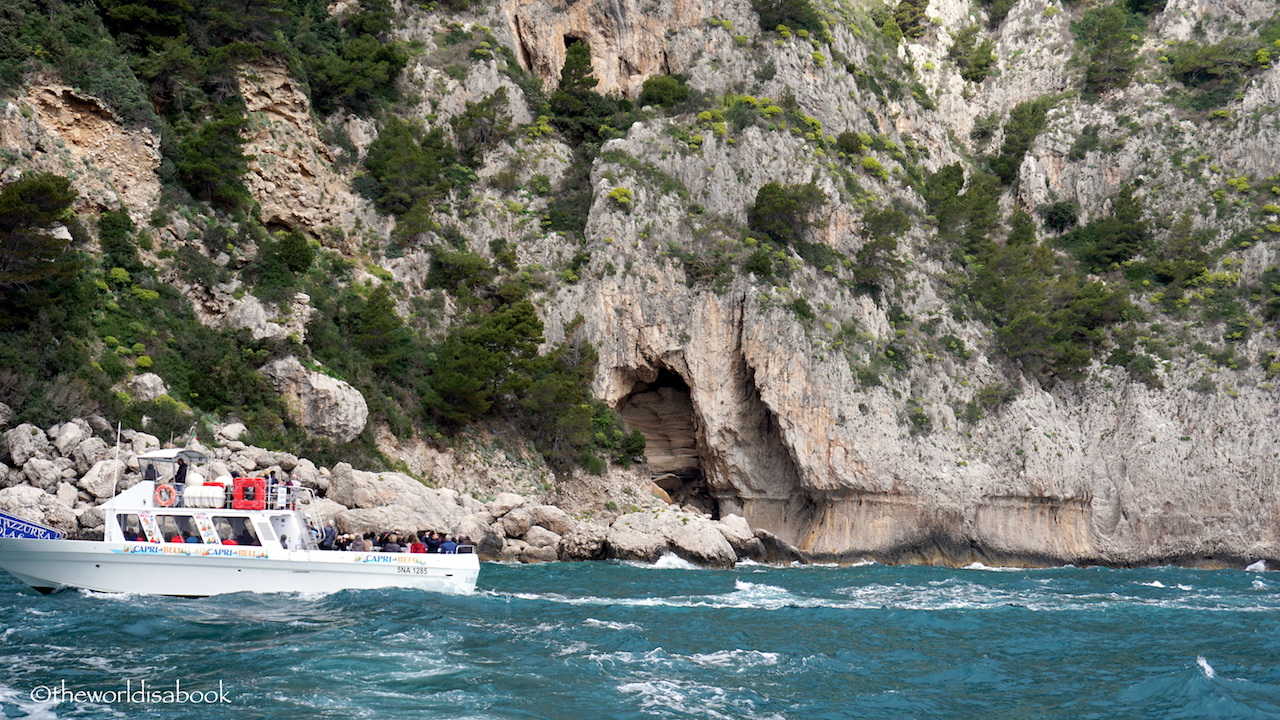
(1214, 72)
(921, 423)
(974, 59)
(578, 110)
(911, 18)
(783, 213)
(850, 143)
(798, 14)
(1025, 122)
(407, 164)
(873, 167)
(210, 161)
(622, 197)
(34, 262)
(1108, 32)
(1060, 216)
(664, 91)
(1113, 239)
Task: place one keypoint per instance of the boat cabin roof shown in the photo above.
(172, 455)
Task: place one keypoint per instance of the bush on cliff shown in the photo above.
(783, 213)
(795, 14)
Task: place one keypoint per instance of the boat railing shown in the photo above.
(274, 497)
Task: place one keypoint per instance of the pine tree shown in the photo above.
(29, 251)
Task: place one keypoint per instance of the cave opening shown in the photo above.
(662, 409)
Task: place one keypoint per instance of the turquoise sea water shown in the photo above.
(608, 640)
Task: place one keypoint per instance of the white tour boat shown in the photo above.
(202, 538)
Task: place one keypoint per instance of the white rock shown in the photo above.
(505, 503)
(552, 518)
(101, 479)
(396, 518)
(42, 473)
(67, 494)
(232, 431)
(691, 536)
(69, 435)
(325, 406)
(485, 537)
(585, 541)
(322, 510)
(309, 476)
(516, 523)
(25, 442)
(538, 554)
(624, 543)
(541, 537)
(147, 387)
(142, 442)
(89, 452)
(38, 506)
(91, 518)
(357, 489)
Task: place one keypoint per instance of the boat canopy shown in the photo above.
(171, 455)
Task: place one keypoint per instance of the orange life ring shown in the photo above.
(165, 495)
(249, 494)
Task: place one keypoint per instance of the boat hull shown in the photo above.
(197, 570)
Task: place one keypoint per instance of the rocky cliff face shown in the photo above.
(768, 409)
(55, 129)
(770, 398)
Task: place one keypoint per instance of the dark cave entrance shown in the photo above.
(662, 409)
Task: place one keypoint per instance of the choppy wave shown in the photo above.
(626, 642)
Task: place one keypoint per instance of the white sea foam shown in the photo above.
(1154, 584)
(1257, 585)
(1259, 566)
(990, 568)
(96, 595)
(741, 659)
(21, 699)
(609, 624)
(671, 561)
(684, 698)
(1206, 667)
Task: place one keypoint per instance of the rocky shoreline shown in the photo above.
(60, 477)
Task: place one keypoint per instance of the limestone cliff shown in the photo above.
(846, 423)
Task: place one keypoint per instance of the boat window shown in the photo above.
(178, 528)
(130, 526)
(168, 528)
(236, 529)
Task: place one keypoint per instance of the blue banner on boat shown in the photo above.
(15, 527)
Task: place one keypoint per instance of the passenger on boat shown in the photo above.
(180, 480)
(433, 542)
(328, 537)
(193, 539)
(449, 546)
(177, 537)
(416, 545)
(391, 545)
(358, 545)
